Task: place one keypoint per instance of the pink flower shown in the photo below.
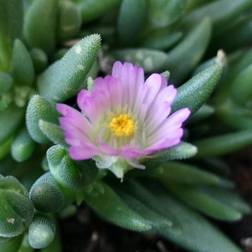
(124, 117)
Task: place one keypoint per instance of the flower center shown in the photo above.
(122, 125)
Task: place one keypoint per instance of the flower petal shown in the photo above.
(82, 153)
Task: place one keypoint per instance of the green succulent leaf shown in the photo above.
(103, 200)
(163, 13)
(11, 245)
(223, 144)
(41, 33)
(17, 210)
(40, 59)
(55, 246)
(37, 109)
(188, 224)
(5, 147)
(63, 169)
(52, 131)
(65, 77)
(47, 195)
(203, 113)
(241, 87)
(131, 20)
(41, 231)
(189, 51)
(22, 65)
(151, 60)
(222, 13)
(22, 147)
(194, 93)
(155, 219)
(186, 174)
(229, 198)
(6, 82)
(11, 25)
(7, 126)
(161, 40)
(93, 9)
(181, 151)
(69, 20)
(199, 199)
(25, 247)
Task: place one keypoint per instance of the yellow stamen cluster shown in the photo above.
(122, 125)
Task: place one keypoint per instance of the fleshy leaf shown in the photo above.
(65, 77)
(22, 65)
(195, 233)
(181, 151)
(63, 169)
(69, 20)
(110, 206)
(41, 33)
(52, 131)
(17, 210)
(151, 60)
(47, 195)
(197, 198)
(185, 174)
(223, 144)
(22, 147)
(7, 126)
(41, 231)
(37, 109)
(241, 87)
(11, 25)
(163, 13)
(131, 20)
(189, 51)
(92, 9)
(194, 93)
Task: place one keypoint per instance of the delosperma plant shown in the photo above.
(128, 107)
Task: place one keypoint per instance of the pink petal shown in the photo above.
(166, 143)
(82, 153)
(172, 123)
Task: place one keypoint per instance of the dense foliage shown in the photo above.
(200, 46)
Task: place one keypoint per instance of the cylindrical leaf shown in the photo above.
(22, 65)
(39, 108)
(52, 131)
(69, 20)
(109, 205)
(6, 82)
(223, 144)
(11, 24)
(17, 210)
(185, 174)
(65, 77)
(47, 195)
(41, 231)
(151, 60)
(92, 9)
(194, 93)
(131, 20)
(189, 51)
(41, 33)
(22, 147)
(7, 126)
(40, 59)
(63, 169)
(197, 198)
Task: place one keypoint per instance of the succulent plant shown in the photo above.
(195, 57)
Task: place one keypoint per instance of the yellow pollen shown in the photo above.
(122, 125)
